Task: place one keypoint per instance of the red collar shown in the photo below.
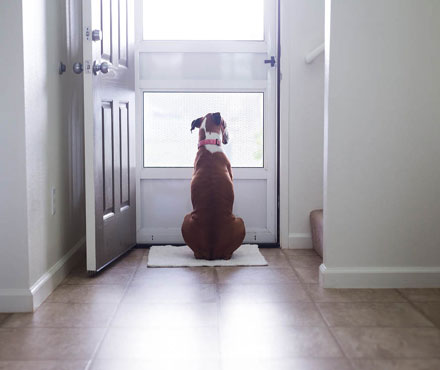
(210, 141)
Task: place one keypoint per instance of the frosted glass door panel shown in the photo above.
(168, 141)
(168, 201)
(202, 66)
(203, 20)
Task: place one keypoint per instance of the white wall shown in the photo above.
(45, 143)
(302, 90)
(13, 223)
(382, 202)
(49, 137)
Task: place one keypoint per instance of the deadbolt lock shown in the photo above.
(96, 35)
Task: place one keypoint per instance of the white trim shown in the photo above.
(46, 284)
(28, 300)
(379, 277)
(15, 300)
(202, 85)
(315, 53)
(300, 241)
(139, 130)
(284, 137)
(187, 46)
(89, 142)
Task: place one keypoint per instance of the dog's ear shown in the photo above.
(217, 118)
(225, 133)
(196, 123)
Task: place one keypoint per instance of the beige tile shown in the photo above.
(132, 258)
(138, 252)
(255, 275)
(275, 257)
(175, 276)
(261, 293)
(299, 252)
(277, 342)
(144, 259)
(287, 364)
(389, 342)
(113, 276)
(422, 295)
(397, 364)
(156, 344)
(372, 314)
(165, 363)
(186, 293)
(239, 314)
(308, 275)
(66, 315)
(135, 254)
(3, 317)
(169, 315)
(431, 310)
(319, 294)
(305, 261)
(43, 365)
(48, 343)
(87, 294)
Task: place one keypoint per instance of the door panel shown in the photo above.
(106, 28)
(124, 150)
(107, 158)
(123, 34)
(109, 132)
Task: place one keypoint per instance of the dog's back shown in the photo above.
(211, 230)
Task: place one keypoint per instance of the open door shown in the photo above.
(108, 49)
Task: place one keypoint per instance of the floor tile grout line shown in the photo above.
(107, 329)
(322, 317)
(303, 284)
(420, 311)
(218, 303)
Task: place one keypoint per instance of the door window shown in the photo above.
(168, 141)
(203, 20)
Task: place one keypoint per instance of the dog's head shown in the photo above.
(213, 123)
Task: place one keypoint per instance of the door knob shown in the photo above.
(77, 68)
(103, 67)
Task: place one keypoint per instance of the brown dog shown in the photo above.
(211, 230)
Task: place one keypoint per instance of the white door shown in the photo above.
(194, 57)
(108, 53)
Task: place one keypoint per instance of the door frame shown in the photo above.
(281, 121)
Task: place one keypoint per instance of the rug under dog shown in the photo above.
(172, 256)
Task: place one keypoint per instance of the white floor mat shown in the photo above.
(171, 256)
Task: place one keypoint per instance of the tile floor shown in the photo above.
(228, 318)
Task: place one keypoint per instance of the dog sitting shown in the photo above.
(211, 230)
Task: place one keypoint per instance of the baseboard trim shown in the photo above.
(300, 241)
(15, 300)
(379, 277)
(47, 283)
